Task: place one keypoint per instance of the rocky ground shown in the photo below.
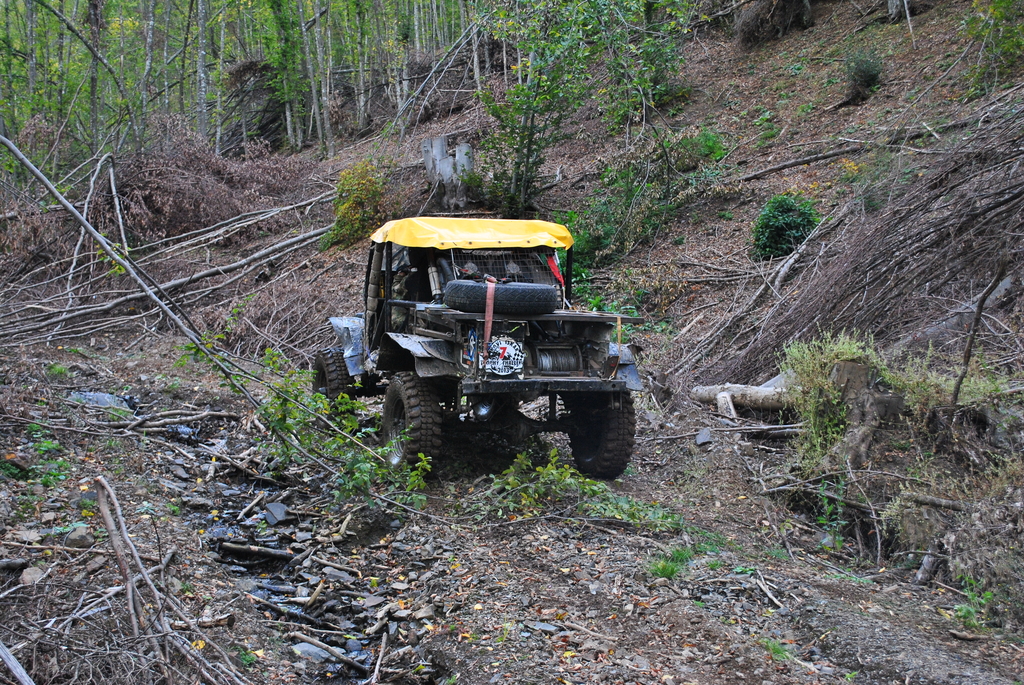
(455, 592)
(267, 558)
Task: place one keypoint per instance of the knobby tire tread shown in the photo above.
(331, 375)
(423, 415)
(602, 437)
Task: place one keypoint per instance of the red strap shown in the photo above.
(488, 317)
(553, 265)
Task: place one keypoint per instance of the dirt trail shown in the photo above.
(480, 600)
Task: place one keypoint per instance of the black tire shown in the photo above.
(331, 377)
(509, 298)
(601, 436)
(412, 407)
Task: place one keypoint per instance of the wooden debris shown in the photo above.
(753, 396)
(14, 666)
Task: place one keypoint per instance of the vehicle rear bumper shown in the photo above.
(541, 385)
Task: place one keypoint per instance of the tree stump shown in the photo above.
(447, 173)
(867, 407)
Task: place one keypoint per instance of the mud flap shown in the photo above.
(349, 330)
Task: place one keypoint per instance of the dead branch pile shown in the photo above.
(127, 629)
(900, 272)
(69, 287)
(765, 20)
(979, 552)
(181, 185)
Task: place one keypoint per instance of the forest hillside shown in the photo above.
(816, 209)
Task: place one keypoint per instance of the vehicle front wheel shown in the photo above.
(330, 374)
(412, 410)
(602, 432)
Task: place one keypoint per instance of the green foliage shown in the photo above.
(636, 43)
(551, 82)
(830, 516)
(526, 490)
(972, 614)
(284, 51)
(925, 387)
(815, 399)
(11, 471)
(705, 145)
(776, 650)
(45, 447)
(247, 658)
(784, 223)
(664, 568)
(359, 207)
(640, 45)
(769, 129)
(863, 72)
(291, 410)
(639, 194)
(998, 27)
(682, 555)
(57, 370)
(51, 472)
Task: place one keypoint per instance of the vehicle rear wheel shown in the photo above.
(509, 298)
(331, 377)
(412, 410)
(601, 435)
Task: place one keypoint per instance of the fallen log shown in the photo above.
(934, 501)
(753, 396)
(255, 551)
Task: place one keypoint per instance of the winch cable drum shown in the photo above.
(557, 359)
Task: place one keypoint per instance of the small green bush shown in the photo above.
(707, 144)
(682, 555)
(998, 27)
(863, 72)
(665, 568)
(640, 192)
(359, 207)
(816, 399)
(783, 224)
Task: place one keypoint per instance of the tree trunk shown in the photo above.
(95, 11)
(311, 72)
(324, 69)
(753, 396)
(30, 48)
(147, 69)
(202, 74)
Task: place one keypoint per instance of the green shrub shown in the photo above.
(707, 144)
(359, 207)
(640, 192)
(682, 555)
(998, 26)
(783, 224)
(524, 490)
(664, 568)
(863, 72)
(816, 399)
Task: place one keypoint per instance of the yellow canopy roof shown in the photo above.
(446, 233)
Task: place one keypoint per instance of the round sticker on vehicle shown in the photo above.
(505, 356)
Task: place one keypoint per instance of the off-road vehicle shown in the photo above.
(467, 320)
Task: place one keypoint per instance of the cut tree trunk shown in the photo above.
(753, 396)
(866, 408)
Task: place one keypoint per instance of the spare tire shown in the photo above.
(509, 298)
